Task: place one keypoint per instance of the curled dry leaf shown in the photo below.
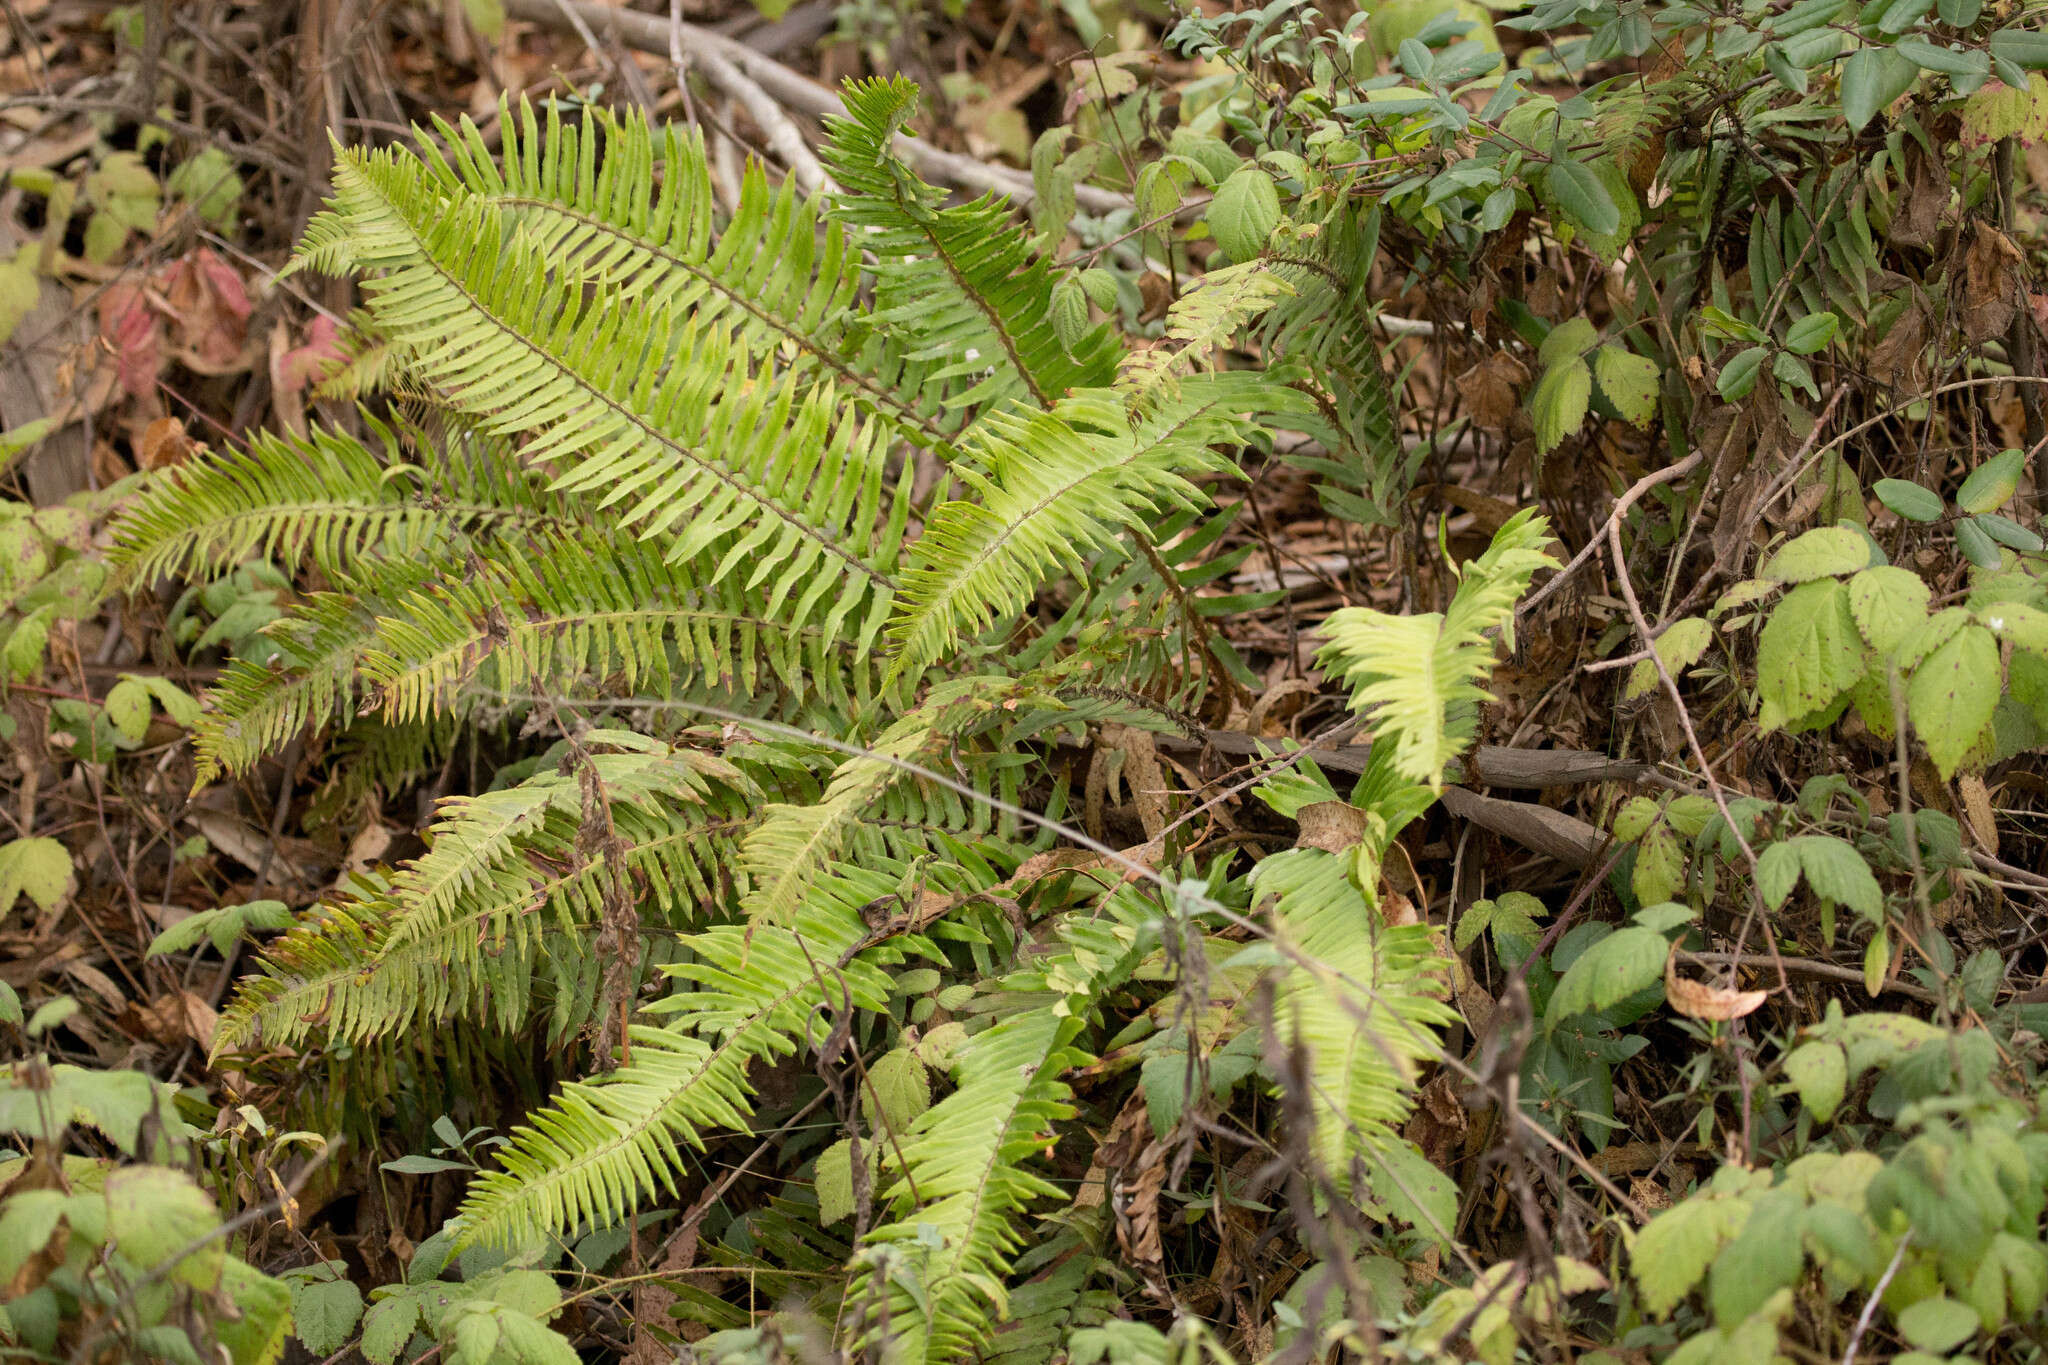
(1698, 1000)
(1332, 826)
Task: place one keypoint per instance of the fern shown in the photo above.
(606, 1144)
(1419, 676)
(962, 280)
(965, 1175)
(664, 467)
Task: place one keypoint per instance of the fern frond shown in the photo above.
(629, 204)
(1420, 676)
(1201, 321)
(962, 280)
(1050, 487)
(584, 613)
(255, 708)
(666, 421)
(605, 1145)
(1363, 1000)
(326, 498)
(796, 844)
(965, 1179)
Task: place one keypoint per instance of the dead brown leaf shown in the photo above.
(1698, 1000)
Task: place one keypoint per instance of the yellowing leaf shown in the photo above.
(1820, 553)
(1808, 655)
(1951, 696)
(41, 867)
(1629, 381)
(1558, 403)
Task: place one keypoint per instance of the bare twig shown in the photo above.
(651, 33)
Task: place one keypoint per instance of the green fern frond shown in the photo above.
(666, 420)
(1420, 676)
(796, 844)
(1208, 316)
(605, 1145)
(962, 281)
(580, 614)
(327, 498)
(630, 204)
(1050, 487)
(965, 1179)
(255, 708)
(1363, 1000)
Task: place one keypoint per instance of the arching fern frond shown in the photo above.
(1363, 1000)
(665, 420)
(618, 200)
(605, 1145)
(584, 615)
(962, 280)
(1049, 487)
(326, 498)
(1420, 676)
(797, 844)
(966, 1177)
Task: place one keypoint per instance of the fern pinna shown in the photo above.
(754, 515)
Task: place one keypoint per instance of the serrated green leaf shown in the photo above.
(1569, 340)
(324, 1314)
(897, 1091)
(1809, 653)
(1625, 962)
(1819, 1072)
(1559, 401)
(39, 867)
(1820, 553)
(1244, 212)
(1630, 382)
(1889, 603)
(1951, 695)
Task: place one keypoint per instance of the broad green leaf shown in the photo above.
(388, 1326)
(1909, 500)
(1558, 403)
(1413, 1189)
(1777, 873)
(127, 707)
(325, 1313)
(1976, 544)
(489, 15)
(1871, 79)
(1625, 962)
(39, 867)
(1738, 376)
(1888, 604)
(1760, 1261)
(1835, 870)
(1938, 1324)
(1820, 553)
(1808, 655)
(1569, 340)
(1244, 212)
(2025, 49)
(1992, 484)
(2026, 627)
(897, 1091)
(1679, 647)
(1629, 381)
(1580, 193)
(1951, 696)
(156, 1215)
(2008, 532)
(1673, 1251)
(1819, 1072)
(1811, 333)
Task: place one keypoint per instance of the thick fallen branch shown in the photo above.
(1540, 829)
(650, 33)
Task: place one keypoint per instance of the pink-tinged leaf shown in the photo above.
(130, 328)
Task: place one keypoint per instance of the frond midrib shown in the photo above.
(743, 489)
(881, 395)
